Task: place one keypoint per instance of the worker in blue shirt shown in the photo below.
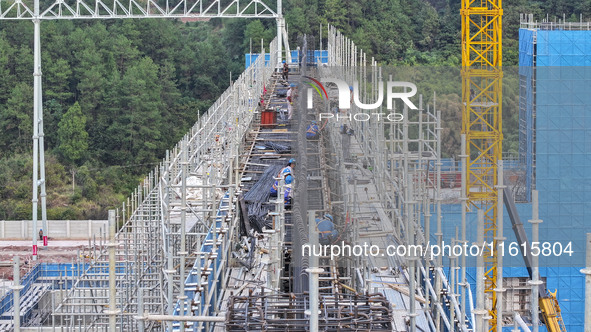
(285, 172)
(313, 131)
(288, 168)
(287, 187)
(327, 232)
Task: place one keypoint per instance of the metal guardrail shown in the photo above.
(45, 273)
(30, 277)
(569, 26)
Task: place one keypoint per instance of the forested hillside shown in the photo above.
(118, 93)
(416, 32)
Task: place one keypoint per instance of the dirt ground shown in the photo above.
(58, 251)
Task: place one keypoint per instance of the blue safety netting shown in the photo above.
(314, 56)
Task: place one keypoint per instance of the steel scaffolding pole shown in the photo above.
(280, 26)
(112, 270)
(499, 290)
(314, 272)
(463, 202)
(38, 149)
(535, 282)
(16, 288)
(480, 311)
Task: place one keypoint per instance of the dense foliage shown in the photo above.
(118, 93)
(414, 32)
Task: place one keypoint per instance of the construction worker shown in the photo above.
(283, 173)
(287, 187)
(290, 93)
(288, 169)
(291, 165)
(312, 132)
(285, 71)
(41, 234)
(289, 98)
(327, 232)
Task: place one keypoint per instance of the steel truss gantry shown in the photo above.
(110, 9)
(483, 131)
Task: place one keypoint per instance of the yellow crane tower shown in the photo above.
(482, 55)
(482, 94)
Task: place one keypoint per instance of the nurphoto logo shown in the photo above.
(346, 93)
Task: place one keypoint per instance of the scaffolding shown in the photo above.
(390, 180)
(380, 182)
(183, 211)
(199, 245)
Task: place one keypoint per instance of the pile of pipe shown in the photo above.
(257, 217)
(279, 148)
(257, 195)
(260, 191)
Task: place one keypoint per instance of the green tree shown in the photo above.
(255, 31)
(16, 119)
(72, 135)
(56, 76)
(298, 21)
(136, 108)
(336, 14)
(52, 114)
(23, 64)
(6, 78)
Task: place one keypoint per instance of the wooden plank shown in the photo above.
(244, 214)
(255, 164)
